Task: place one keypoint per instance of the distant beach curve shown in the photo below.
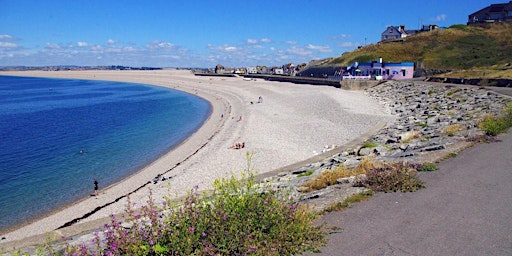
(278, 123)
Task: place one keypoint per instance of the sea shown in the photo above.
(58, 135)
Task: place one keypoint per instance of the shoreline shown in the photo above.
(278, 127)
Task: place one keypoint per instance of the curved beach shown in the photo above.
(292, 123)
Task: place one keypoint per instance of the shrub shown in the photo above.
(330, 177)
(494, 125)
(237, 218)
(450, 130)
(426, 167)
(392, 178)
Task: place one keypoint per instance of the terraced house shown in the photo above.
(492, 13)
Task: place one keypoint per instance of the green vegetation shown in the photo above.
(427, 167)
(469, 51)
(349, 201)
(307, 173)
(393, 177)
(494, 125)
(330, 177)
(422, 125)
(369, 144)
(236, 219)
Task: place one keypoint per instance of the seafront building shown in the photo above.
(492, 13)
(379, 70)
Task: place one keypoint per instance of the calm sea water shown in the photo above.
(46, 123)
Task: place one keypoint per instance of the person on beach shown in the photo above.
(238, 145)
(95, 187)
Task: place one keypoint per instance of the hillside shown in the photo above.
(469, 51)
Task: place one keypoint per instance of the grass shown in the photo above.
(393, 177)
(452, 129)
(307, 173)
(330, 177)
(494, 125)
(426, 167)
(369, 144)
(469, 51)
(349, 201)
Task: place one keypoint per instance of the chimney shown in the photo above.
(402, 28)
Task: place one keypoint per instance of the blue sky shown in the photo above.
(195, 33)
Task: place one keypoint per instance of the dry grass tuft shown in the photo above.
(330, 177)
(452, 129)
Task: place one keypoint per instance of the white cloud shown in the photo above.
(230, 48)
(7, 45)
(266, 40)
(82, 44)
(252, 41)
(319, 48)
(290, 42)
(299, 51)
(111, 41)
(155, 45)
(7, 38)
(440, 17)
(52, 46)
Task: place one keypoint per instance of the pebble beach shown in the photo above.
(279, 123)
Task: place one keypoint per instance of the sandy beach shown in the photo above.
(292, 123)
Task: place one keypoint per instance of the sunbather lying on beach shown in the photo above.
(238, 145)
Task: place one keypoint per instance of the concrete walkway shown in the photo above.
(466, 209)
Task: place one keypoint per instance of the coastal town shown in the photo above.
(306, 153)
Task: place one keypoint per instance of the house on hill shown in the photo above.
(492, 13)
(397, 32)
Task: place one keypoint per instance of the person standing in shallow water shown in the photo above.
(95, 187)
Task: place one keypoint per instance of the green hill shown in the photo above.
(469, 51)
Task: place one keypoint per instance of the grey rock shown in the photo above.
(433, 148)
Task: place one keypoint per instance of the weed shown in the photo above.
(426, 167)
(347, 203)
(430, 92)
(494, 125)
(452, 92)
(422, 125)
(392, 178)
(307, 173)
(482, 138)
(369, 144)
(330, 177)
(452, 129)
(237, 218)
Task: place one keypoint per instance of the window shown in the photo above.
(496, 16)
(510, 13)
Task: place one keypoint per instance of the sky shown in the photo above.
(204, 33)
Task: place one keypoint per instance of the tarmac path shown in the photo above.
(466, 209)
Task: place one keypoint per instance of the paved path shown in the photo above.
(466, 209)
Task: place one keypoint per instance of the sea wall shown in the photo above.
(359, 84)
(297, 79)
(499, 82)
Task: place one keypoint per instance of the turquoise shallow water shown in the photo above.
(58, 135)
